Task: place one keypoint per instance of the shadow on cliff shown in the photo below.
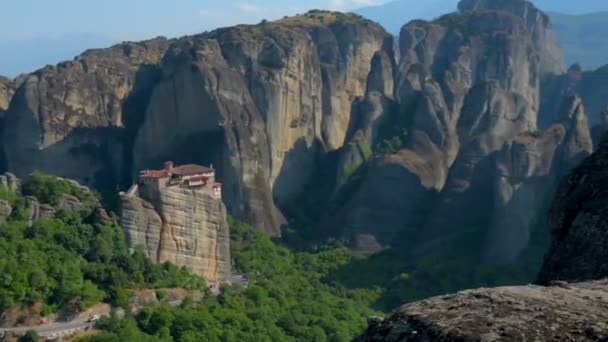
(310, 198)
(134, 112)
(406, 272)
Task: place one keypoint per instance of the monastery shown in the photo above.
(190, 176)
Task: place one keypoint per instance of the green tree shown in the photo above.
(30, 336)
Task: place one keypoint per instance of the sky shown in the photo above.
(34, 33)
(141, 19)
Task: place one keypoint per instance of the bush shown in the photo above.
(30, 336)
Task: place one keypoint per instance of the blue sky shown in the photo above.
(139, 19)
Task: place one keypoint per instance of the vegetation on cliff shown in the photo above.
(73, 260)
(287, 300)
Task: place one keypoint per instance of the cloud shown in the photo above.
(247, 8)
(342, 5)
(337, 5)
(362, 3)
(204, 12)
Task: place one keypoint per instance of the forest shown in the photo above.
(315, 290)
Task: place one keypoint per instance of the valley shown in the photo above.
(341, 170)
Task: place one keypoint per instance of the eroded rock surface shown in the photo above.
(76, 118)
(185, 227)
(469, 86)
(6, 93)
(5, 211)
(571, 312)
(260, 102)
(579, 224)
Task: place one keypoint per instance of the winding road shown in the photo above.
(62, 328)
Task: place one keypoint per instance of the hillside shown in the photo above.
(386, 172)
(55, 219)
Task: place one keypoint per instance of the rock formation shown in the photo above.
(184, 225)
(589, 85)
(11, 182)
(570, 312)
(562, 309)
(75, 119)
(537, 23)
(6, 93)
(258, 101)
(469, 86)
(261, 102)
(474, 99)
(579, 224)
(5, 211)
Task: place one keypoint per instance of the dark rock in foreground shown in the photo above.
(579, 224)
(562, 312)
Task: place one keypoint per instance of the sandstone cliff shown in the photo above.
(561, 310)
(468, 93)
(571, 312)
(261, 102)
(537, 23)
(182, 226)
(76, 119)
(264, 102)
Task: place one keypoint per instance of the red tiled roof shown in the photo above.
(153, 173)
(183, 170)
(217, 185)
(190, 169)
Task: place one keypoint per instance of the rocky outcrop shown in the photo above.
(75, 119)
(183, 226)
(142, 224)
(11, 182)
(579, 225)
(38, 211)
(6, 93)
(589, 85)
(392, 200)
(69, 203)
(572, 312)
(537, 23)
(261, 103)
(5, 211)
(469, 90)
(527, 170)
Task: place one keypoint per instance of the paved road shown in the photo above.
(63, 328)
(52, 328)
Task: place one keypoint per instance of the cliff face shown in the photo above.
(563, 309)
(6, 93)
(468, 93)
(579, 225)
(573, 312)
(185, 227)
(538, 24)
(590, 85)
(75, 119)
(260, 103)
